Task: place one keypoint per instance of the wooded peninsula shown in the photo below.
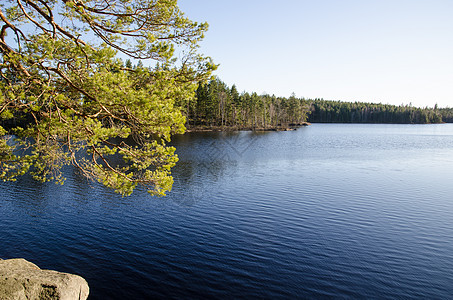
(217, 106)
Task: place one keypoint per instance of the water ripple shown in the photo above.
(329, 211)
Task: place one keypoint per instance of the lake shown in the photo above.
(328, 210)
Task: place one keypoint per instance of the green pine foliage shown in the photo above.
(67, 98)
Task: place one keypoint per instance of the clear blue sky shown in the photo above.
(389, 51)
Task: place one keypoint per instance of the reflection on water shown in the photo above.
(330, 210)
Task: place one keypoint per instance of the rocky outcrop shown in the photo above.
(21, 279)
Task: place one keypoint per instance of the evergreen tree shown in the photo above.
(70, 100)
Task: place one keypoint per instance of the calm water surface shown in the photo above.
(330, 210)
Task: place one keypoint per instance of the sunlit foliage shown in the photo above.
(67, 97)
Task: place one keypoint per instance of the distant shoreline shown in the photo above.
(245, 128)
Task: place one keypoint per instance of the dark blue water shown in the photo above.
(330, 210)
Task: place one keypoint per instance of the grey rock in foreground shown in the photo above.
(21, 279)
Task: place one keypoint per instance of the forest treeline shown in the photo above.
(447, 114)
(217, 105)
(323, 111)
